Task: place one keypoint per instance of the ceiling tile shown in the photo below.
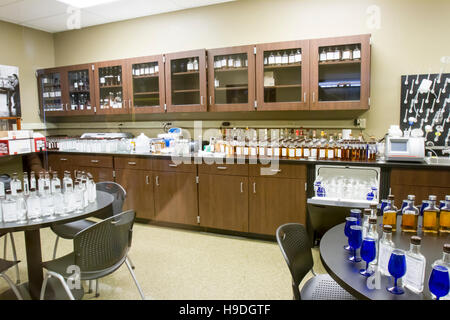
(31, 9)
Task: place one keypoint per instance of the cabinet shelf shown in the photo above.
(231, 88)
(186, 90)
(147, 76)
(184, 73)
(327, 63)
(282, 66)
(79, 91)
(283, 86)
(111, 86)
(231, 69)
(145, 93)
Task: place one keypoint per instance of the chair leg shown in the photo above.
(134, 278)
(90, 286)
(61, 279)
(13, 246)
(5, 246)
(131, 262)
(96, 289)
(56, 247)
(12, 286)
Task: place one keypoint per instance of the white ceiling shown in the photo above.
(55, 16)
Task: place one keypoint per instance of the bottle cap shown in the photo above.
(367, 212)
(77, 183)
(8, 192)
(373, 206)
(355, 211)
(411, 197)
(391, 197)
(46, 188)
(432, 197)
(373, 220)
(416, 240)
(387, 228)
(32, 189)
(447, 248)
(69, 185)
(57, 187)
(19, 190)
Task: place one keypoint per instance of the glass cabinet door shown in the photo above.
(80, 98)
(50, 88)
(111, 97)
(186, 81)
(147, 85)
(340, 70)
(231, 79)
(282, 75)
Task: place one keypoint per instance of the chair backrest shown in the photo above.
(104, 244)
(119, 194)
(295, 246)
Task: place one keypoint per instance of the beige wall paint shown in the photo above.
(412, 38)
(30, 50)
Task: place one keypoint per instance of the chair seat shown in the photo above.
(60, 266)
(5, 265)
(323, 287)
(69, 230)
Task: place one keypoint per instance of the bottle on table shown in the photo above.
(15, 184)
(366, 215)
(390, 213)
(21, 206)
(444, 261)
(69, 198)
(431, 216)
(373, 234)
(415, 266)
(47, 205)
(444, 219)
(58, 201)
(66, 181)
(373, 210)
(2, 190)
(26, 184)
(54, 182)
(78, 197)
(386, 245)
(410, 216)
(33, 205)
(9, 208)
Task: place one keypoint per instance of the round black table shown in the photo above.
(102, 205)
(346, 273)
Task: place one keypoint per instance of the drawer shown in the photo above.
(225, 169)
(132, 163)
(96, 161)
(170, 166)
(60, 159)
(293, 171)
(417, 177)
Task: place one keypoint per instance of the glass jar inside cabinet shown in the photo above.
(51, 92)
(185, 81)
(283, 75)
(146, 89)
(111, 88)
(339, 73)
(79, 90)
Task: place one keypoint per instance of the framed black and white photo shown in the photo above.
(9, 91)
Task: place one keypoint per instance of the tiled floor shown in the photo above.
(178, 264)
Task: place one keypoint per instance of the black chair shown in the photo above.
(295, 246)
(4, 266)
(69, 230)
(99, 250)
(13, 247)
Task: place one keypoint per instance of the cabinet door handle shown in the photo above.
(276, 170)
(157, 181)
(129, 103)
(210, 100)
(67, 109)
(147, 180)
(124, 103)
(242, 187)
(201, 100)
(254, 187)
(314, 97)
(304, 97)
(131, 163)
(95, 161)
(62, 159)
(222, 168)
(173, 165)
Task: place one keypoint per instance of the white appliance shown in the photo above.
(405, 149)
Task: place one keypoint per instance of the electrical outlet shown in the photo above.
(361, 123)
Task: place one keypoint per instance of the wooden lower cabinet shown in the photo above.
(139, 187)
(223, 202)
(99, 174)
(175, 197)
(275, 201)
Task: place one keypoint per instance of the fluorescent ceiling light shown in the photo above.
(85, 3)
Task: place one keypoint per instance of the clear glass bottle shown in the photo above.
(410, 216)
(431, 216)
(15, 184)
(323, 55)
(330, 148)
(284, 58)
(190, 65)
(47, 205)
(291, 58)
(386, 245)
(2, 189)
(373, 210)
(390, 213)
(367, 213)
(84, 186)
(66, 181)
(47, 181)
(278, 58)
(415, 266)
(34, 206)
(291, 149)
(444, 219)
(54, 182)
(373, 234)
(347, 54)
(26, 184)
(298, 56)
(337, 54)
(9, 208)
(21, 207)
(356, 53)
(92, 188)
(58, 202)
(78, 197)
(271, 59)
(444, 261)
(230, 62)
(69, 198)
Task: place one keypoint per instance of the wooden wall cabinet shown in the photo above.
(112, 86)
(146, 80)
(186, 81)
(52, 85)
(231, 79)
(282, 75)
(79, 92)
(340, 81)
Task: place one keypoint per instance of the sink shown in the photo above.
(438, 160)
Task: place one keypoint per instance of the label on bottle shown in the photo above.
(330, 154)
(339, 153)
(269, 152)
(322, 153)
(291, 153)
(223, 63)
(356, 54)
(285, 60)
(276, 151)
(415, 273)
(222, 148)
(75, 85)
(230, 63)
(245, 151)
(306, 153)
(346, 55)
(283, 152)
(239, 151)
(253, 151)
(298, 57)
(384, 256)
(298, 152)
(323, 57)
(314, 152)
(271, 60)
(262, 151)
(102, 80)
(291, 58)
(330, 55)
(238, 64)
